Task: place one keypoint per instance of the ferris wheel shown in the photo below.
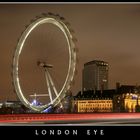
(55, 96)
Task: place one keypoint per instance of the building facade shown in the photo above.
(94, 105)
(90, 101)
(95, 75)
(131, 102)
(125, 98)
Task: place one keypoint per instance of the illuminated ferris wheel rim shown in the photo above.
(71, 67)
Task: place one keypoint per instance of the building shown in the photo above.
(95, 76)
(127, 98)
(96, 105)
(12, 107)
(131, 102)
(90, 101)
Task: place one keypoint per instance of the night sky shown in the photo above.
(106, 32)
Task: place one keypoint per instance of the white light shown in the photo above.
(34, 102)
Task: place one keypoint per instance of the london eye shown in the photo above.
(44, 61)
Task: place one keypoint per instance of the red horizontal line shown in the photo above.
(63, 117)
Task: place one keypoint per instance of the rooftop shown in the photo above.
(97, 62)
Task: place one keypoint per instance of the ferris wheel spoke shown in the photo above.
(48, 85)
(52, 84)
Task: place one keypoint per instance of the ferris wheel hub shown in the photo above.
(44, 64)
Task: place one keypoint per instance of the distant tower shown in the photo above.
(95, 75)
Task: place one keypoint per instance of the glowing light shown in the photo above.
(34, 102)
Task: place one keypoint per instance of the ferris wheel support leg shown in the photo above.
(48, 85)
(53, 86)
